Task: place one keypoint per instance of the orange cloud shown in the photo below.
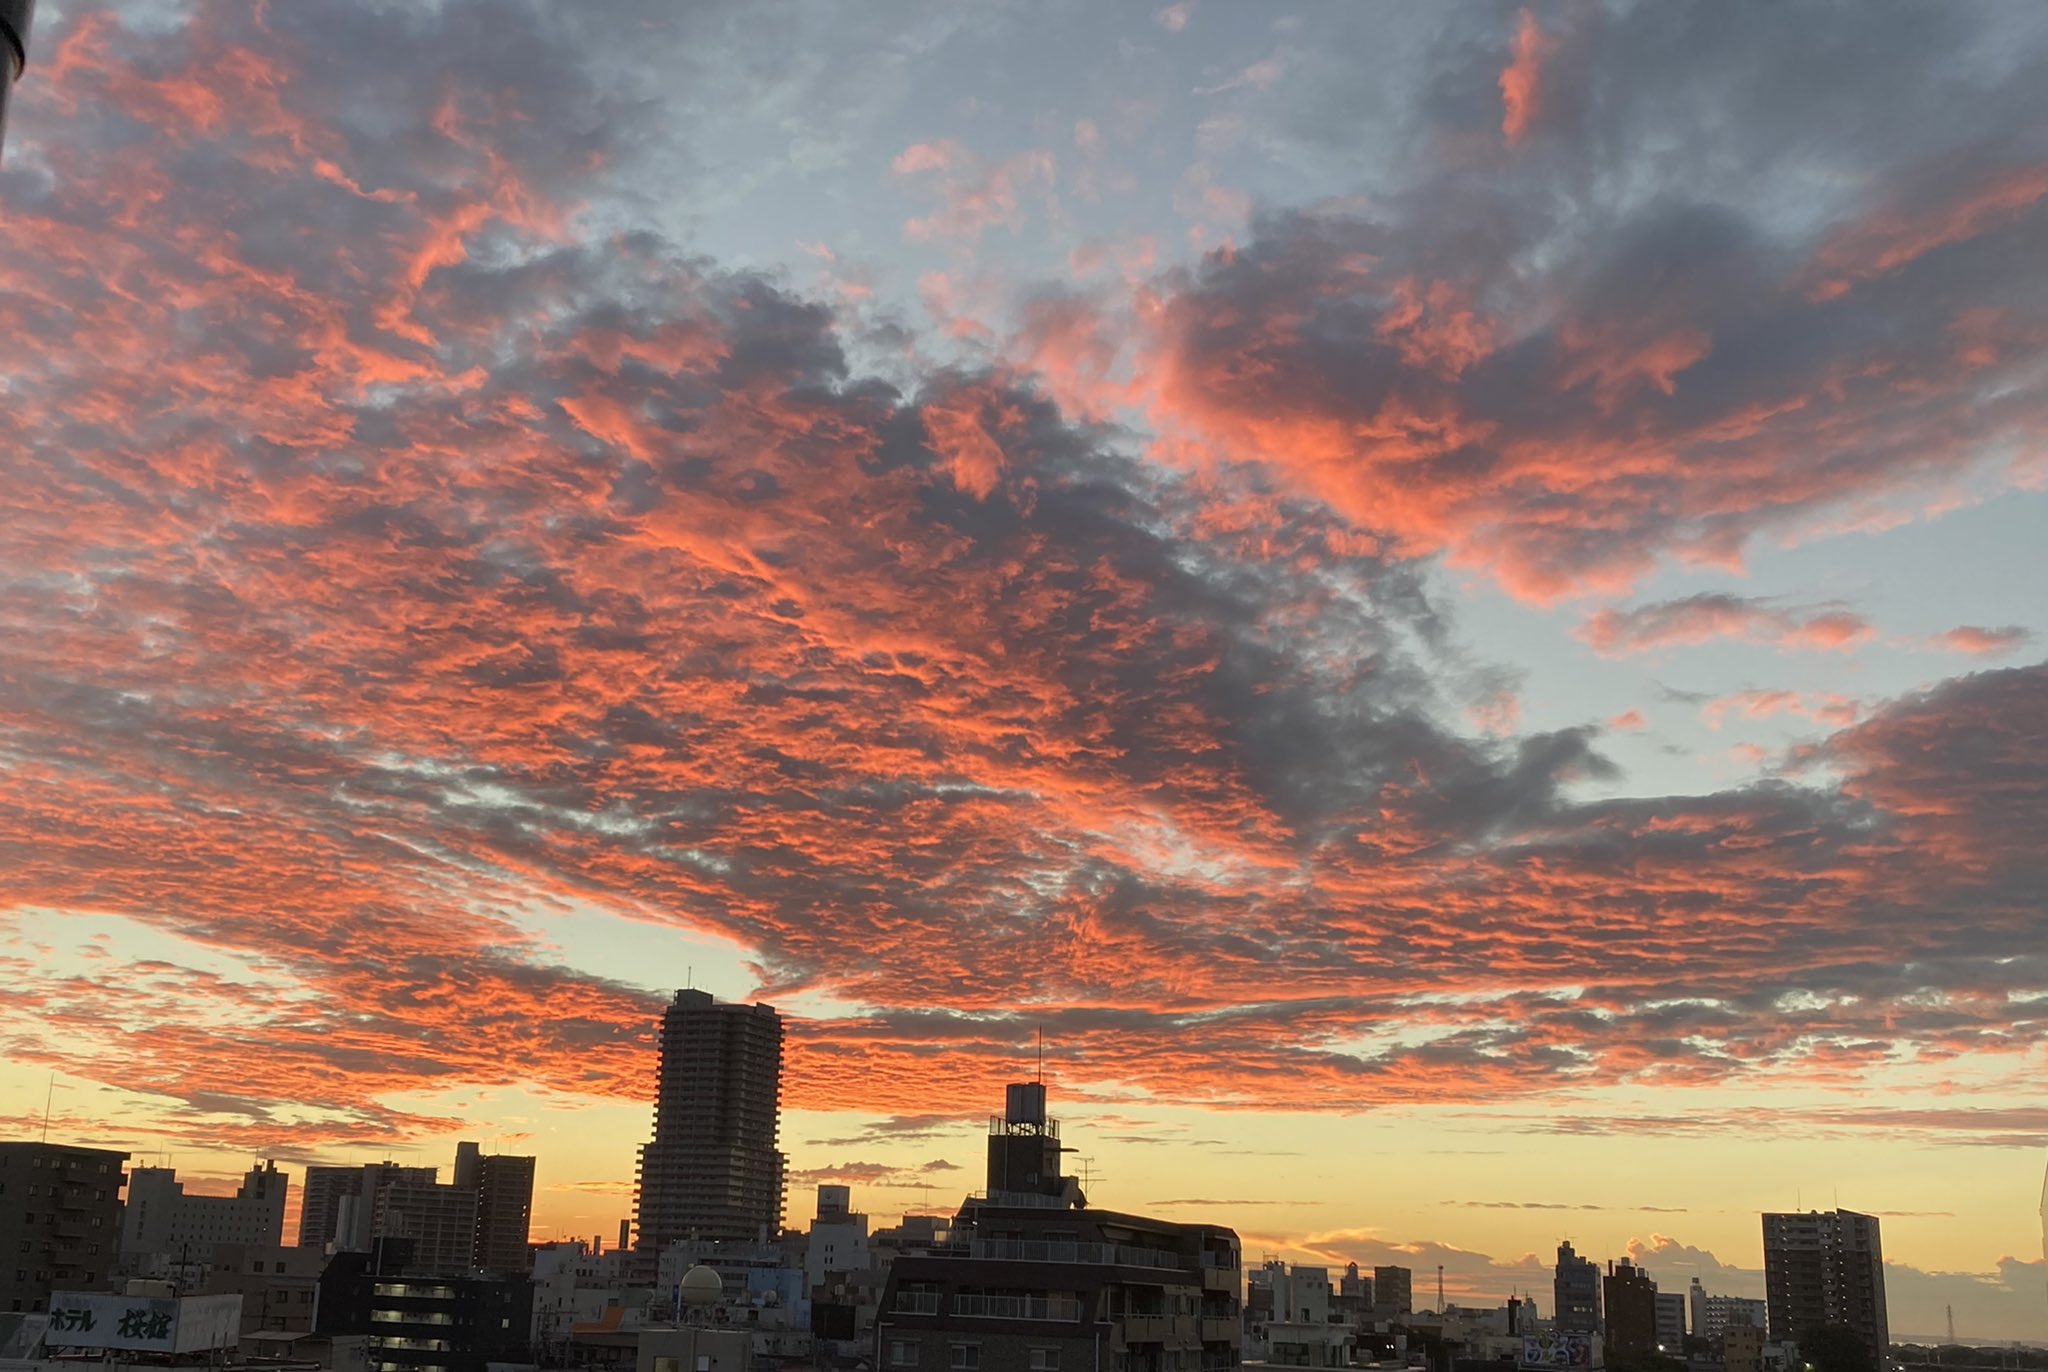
(1521, 81)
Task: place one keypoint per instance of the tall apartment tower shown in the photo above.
(712, 1171)
(1630, 1298)
(503, 1183)
(1577, 1289)
(1826, 1268)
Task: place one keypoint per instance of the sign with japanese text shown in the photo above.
(1569, 1352)
(144, 1324)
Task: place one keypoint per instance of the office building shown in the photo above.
(1028, 1278)
(1741, 1347)
(1825, 1268)
(1393, 1292)
(1670, 1323)
(503, 1184)
(1630, 1298)
(712, 1171)
(160, 1217)
(60, 1220)
(1577, 1292)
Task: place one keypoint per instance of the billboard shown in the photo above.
(1578, 1351)
(143, 1324)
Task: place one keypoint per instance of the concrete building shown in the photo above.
(503, 1183)
(1300, 1326)
(419, 1322)
(161, 1217)
(1576, 1290)
(60, 1220)
(1712, 1314)
(1630, 1298)
(440, 1223)
(838, 1243)
(712, 1170)
(1670, 1323)
(277, 1284)
(1742, 1347)
(1030, 1279)
(1826, 1268)
(1393, 1292)
(333, 1209)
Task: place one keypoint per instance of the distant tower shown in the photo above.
(16, 18)
(712, 1171)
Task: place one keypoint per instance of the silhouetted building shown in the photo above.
(418, 1322)
(1670, 1323)
(1826, 1268)
(1577, 1292)
(1631, 1309)
(712, 1171)
(1028, 1279)
(60, 1220)
(1393, 1292)
(338, 1202)
(503, 1183)
(276, 1284)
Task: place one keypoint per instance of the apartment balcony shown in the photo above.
(1062, 1309)
(916, 1303)
(1221, 1329)
(1092, 1254)
(1222, 1278)
(1145, 1328)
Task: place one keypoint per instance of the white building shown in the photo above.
(159, 1218)
(1712, 1314)
(838, 1242)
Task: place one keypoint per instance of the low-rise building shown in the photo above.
(1029, 1278)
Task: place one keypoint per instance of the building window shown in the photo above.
(966, 1357)
(32, 1189)
(1045, 1360)
(903, 1352)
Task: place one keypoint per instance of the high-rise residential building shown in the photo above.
(1393, 1292)
(712, 1170)
(439, 1222)
(338, 1203)
(1825, 1268)
(503, 1183)
(60, 1220)
(161, 1217)
(1631, 1309)
(1713, 1314)
(1577, 1292)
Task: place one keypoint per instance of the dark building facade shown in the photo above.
(1577, 1292)
(420, 1322)
(1826, 1267)
(1028, 1279)
(1631, 1299)
(712, 1171)
(503, 1183)
(60, 1220)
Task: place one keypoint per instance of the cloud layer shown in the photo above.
(398, 540)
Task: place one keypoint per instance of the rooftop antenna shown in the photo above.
(48, 1096)
(1041, 1055)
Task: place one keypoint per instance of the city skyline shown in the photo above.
(1445, 598)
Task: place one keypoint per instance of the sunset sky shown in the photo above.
(1451, 598)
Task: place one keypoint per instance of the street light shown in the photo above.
(15, 18)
